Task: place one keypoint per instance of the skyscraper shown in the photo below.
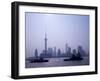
(66, 48)
(36, 53)
(54, 52)
(59, 52)
(81, 50)
(69, 52)
(45, 43)
(50, 51)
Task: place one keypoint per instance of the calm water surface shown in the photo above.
(55, 62)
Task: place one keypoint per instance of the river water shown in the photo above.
(56, 62)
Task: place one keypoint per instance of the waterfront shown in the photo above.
(56, 62)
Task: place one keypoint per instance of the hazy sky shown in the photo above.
(60, 29)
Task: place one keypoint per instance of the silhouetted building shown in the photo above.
(45, 43)
(66, 48)
(81, 51)
(50, 51)
(59, 52)
(74, 54)
(48, 54)
(36, 53)
(54, 52)
(69, 52)
(43, 55)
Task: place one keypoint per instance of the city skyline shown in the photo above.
(60, 29)
(56, 52)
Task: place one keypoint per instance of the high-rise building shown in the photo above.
(50, 51)
(69, 52)
(54, 53)
(36, 53)
(66, 48)
(81, 51)
(59, 52)
(74, 52)
(45, 43)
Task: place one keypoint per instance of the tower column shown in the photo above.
(45, 44)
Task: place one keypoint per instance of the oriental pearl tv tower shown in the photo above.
(45, 43)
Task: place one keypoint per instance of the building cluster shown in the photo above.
(54, 52)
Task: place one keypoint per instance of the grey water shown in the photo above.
(57, 62)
